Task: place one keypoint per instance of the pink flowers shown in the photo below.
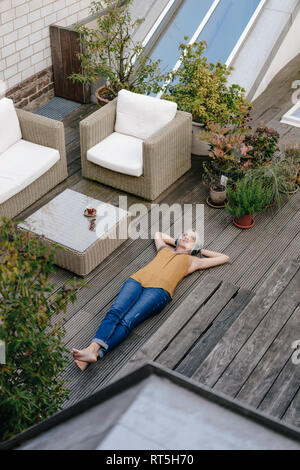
(244, 150)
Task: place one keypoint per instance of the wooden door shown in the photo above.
(64, 49)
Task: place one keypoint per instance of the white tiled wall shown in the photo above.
(24, 34)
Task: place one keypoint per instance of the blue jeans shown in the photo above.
(133, 304)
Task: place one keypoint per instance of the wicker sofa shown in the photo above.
(32, 157)
(147, 164)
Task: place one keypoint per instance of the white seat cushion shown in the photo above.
(22, 164)
(119, 152)
(10, 131)
(141, 116)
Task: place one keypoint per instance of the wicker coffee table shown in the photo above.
(83, 242)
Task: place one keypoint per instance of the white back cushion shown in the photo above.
(10, 131)
(141, 116)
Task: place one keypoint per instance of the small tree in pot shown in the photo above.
(248, 196)
(110, 53)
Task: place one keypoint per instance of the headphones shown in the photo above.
(197, 247)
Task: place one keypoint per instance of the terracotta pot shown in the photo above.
(217, 195)
(101, 95)
(272, 204)
(199, 147)
(246, 221)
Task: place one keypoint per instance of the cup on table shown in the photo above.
(90, 211)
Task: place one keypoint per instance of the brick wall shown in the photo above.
(25, 42)
(34, 91)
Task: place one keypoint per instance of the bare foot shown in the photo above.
(83, 357)
(81, 365)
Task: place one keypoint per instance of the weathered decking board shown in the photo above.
(72, 136)
(282, 392)
(261, 339)
(205, 344)
(270, 365)
(224, 353)
(262, 373)
(292, 413)
(198, 324)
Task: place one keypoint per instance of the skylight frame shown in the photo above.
(288, 117)
(245, 33)
(202, 25)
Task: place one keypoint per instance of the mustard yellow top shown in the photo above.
(165, 271)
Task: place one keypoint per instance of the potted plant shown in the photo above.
(292, 153)
(264, 143)
(288, 170)
(200, 88)
(229, 156)
(248, 196)
(269, 176)
(217, 190)
(110, 54)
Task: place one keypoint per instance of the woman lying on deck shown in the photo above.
(148, 291)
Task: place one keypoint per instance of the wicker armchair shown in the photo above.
(166, 154)
(48, 133)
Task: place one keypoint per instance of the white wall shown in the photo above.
(24, 34)
(289, 48)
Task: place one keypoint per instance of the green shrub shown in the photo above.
(30, 387)
(201, 88)
(248, 196)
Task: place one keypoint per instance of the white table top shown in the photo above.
(62, 220)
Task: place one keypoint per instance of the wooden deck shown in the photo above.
(209, 303)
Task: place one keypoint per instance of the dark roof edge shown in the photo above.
(133, 378)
